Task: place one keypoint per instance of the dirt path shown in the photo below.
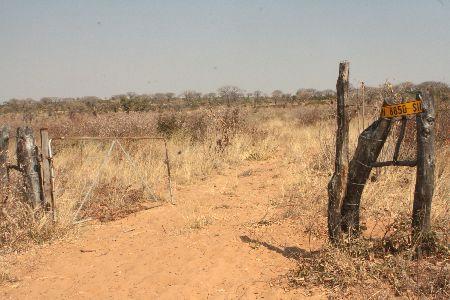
(216, 243)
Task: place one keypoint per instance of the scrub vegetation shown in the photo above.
(207, 133)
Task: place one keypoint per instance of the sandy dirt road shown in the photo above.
(215, 243)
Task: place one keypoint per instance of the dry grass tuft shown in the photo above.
(6, 277)
(369, 267)
(22, 226)
(200, 222)
(113, 203)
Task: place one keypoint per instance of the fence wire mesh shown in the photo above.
(97, 175)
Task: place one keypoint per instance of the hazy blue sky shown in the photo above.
(77, 48)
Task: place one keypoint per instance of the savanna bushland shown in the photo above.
(207, 134)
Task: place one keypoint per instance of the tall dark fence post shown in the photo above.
(424, 189)
(28, 163)
(4, 144)
(337, 184)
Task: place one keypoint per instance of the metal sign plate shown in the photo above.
(402, 109)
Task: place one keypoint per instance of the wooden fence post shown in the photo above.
(337, 184)
(424, 189)
(370, 143)
(4, 144)
(28, 163)
(45, 171)
(363, 89)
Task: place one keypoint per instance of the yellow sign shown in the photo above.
(402, 109)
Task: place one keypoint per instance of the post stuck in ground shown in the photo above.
(28, 164)
(426, 163)
(337, 184)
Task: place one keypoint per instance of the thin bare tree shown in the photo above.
(230, 93)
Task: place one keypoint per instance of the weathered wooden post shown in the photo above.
(28, 164)
(370, 143)
(363, 89)
(4, 144)
(424, 189)
(169, 177)
(337, 184)
(45, 171)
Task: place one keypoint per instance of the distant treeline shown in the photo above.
(227, 95)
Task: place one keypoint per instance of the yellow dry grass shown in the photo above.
(307, 148)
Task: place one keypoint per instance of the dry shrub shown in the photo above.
(311, 114)
(384, 266)
(21, 226)
(6, 277)
(262, 146)
(201, 124)
(168, 124)
(200, 222)
(370, 272)
(82, 124)
(228, 123)
(198, 126)
(377, 266)
(443, 123)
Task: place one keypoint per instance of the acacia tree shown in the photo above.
(123, 101)
(287, 97)
(210, 97)
(276, 96)
(257, 95)
(91, 103)
(160, 97)
(190, 96)
(305, 94)
(230, 93)
(169, 96)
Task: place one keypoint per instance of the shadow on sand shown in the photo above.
(288, 252)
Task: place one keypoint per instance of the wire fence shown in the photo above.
(91, 169)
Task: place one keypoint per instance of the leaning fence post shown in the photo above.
(337, 184)
(45, 171)
(424, 189)
(28, 163)
(4, 144)
(370, 143)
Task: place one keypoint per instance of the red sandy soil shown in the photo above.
(232, 252)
